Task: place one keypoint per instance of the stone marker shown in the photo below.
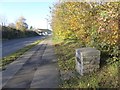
(87, 60)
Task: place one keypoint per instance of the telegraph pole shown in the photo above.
(47, 22)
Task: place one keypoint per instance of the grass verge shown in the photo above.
(8, 59)
(105, 77)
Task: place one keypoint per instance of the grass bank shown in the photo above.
(105, 77)
(8, 59)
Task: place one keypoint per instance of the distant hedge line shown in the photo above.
(11, 33)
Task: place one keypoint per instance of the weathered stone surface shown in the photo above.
(87, 60)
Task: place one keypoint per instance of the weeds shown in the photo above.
(105, 77)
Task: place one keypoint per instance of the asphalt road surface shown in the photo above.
(10, 46)
(36, 69)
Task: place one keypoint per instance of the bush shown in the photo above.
(91, 24)
(11, 33)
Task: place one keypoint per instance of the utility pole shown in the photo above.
(47, 22)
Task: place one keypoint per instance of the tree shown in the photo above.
(21, 24)
(93, 24)
(12, 25)
(31, 27)
(3, 20)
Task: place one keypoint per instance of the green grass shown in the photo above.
(105, 77)
(8, 59)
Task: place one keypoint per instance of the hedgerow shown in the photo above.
(89, 23)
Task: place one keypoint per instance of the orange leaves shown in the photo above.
(90, 23)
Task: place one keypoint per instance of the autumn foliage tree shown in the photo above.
(91, 23)
(21, 24)
(17, 30)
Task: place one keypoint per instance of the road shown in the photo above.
(10, 46)
(37, 68)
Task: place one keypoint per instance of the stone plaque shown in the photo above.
(87, 60)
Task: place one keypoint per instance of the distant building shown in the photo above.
(43, 31)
